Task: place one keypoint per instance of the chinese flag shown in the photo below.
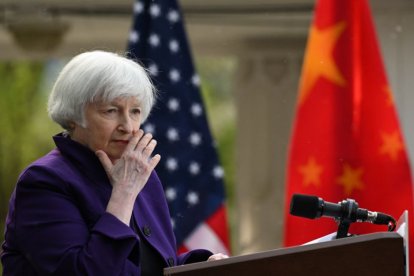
(346, 141)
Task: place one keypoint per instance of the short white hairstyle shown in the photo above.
(98, 76)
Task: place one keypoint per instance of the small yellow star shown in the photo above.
(390, 98)
(311, 172)
(350, 179)
(319, 60)
(391, 145)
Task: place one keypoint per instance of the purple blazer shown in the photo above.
(57, 223)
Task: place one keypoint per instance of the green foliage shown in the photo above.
(216, 92)
(18, 101)
(22, 124)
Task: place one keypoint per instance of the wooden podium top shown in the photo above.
(372, 254)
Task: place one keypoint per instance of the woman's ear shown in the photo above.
(72, 125)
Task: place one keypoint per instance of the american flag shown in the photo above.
(189, 167)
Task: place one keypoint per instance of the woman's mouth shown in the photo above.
(123, 142)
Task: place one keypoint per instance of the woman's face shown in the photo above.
(109, 126)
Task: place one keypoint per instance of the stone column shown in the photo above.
(265, 91)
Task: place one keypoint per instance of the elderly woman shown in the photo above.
(94, 205)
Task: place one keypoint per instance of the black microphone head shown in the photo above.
(305, 206)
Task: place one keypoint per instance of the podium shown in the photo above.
(372, 254)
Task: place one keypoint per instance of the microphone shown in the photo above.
(315, 207)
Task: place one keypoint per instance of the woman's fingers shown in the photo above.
(143, 142)
(134, 141)
(146, 163)
(132, 170)
(154, 161)
(137, 158)
(217, 256)
(149, 148)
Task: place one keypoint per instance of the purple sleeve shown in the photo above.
(54, 237)
(194, 256)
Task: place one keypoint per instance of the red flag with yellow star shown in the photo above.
(346, 142)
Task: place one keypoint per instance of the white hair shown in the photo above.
(93, 76)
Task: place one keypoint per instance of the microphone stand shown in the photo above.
(343, 227)
(349, 208)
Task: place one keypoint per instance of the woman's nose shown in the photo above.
(126, 124)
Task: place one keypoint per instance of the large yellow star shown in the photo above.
(311, 172)
(350, 179)
(391, 145)
(319, 60)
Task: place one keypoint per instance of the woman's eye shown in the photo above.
(111, 110)
(136, 111)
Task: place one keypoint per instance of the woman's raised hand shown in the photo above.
(130, 173)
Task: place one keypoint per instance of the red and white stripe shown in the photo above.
(211, 234)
